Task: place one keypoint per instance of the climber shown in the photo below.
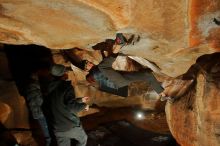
(107, 48)
(116, 82)
(61, 108)
(113, 81)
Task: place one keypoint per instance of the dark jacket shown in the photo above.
(61, 106)
(109, 80)
(34, 98)
(107, 76)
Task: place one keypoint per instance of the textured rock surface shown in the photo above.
(56, 24)
(171, 31)
(5, 112)
(173, 34)
(14, 112)
(203, 28)
(194, 119)
(13, 109)
(123, 63)
(10, 98)
(102, 99)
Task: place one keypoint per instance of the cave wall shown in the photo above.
(14, 116)
(194, 118)
(82, 22)
(198, 126)
(173, 33)
(13, 107)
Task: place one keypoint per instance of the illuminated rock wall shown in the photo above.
(194, 119)
(173, 34)
(168, 29)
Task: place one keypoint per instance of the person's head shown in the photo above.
(59, 71)
(87, 65)
(120, 39)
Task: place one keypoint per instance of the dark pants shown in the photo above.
(145, 76)
(77, 133)
(43, 124)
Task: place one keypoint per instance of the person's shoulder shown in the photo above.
(59, 84)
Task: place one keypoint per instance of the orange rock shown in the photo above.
(5, 112)
(177, 87)
(194, 118)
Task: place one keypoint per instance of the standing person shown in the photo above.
(34, 99)
(61, 108)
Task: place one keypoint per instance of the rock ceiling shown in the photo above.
(173, 33)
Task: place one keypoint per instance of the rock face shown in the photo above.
(173, 35)
(5, 112)
(12, 103)
(13, 109)
(194, 118)
(171, 32)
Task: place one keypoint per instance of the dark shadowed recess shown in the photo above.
(123, 133)
(25, 60)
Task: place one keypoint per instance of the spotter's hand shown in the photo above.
(85, 99)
